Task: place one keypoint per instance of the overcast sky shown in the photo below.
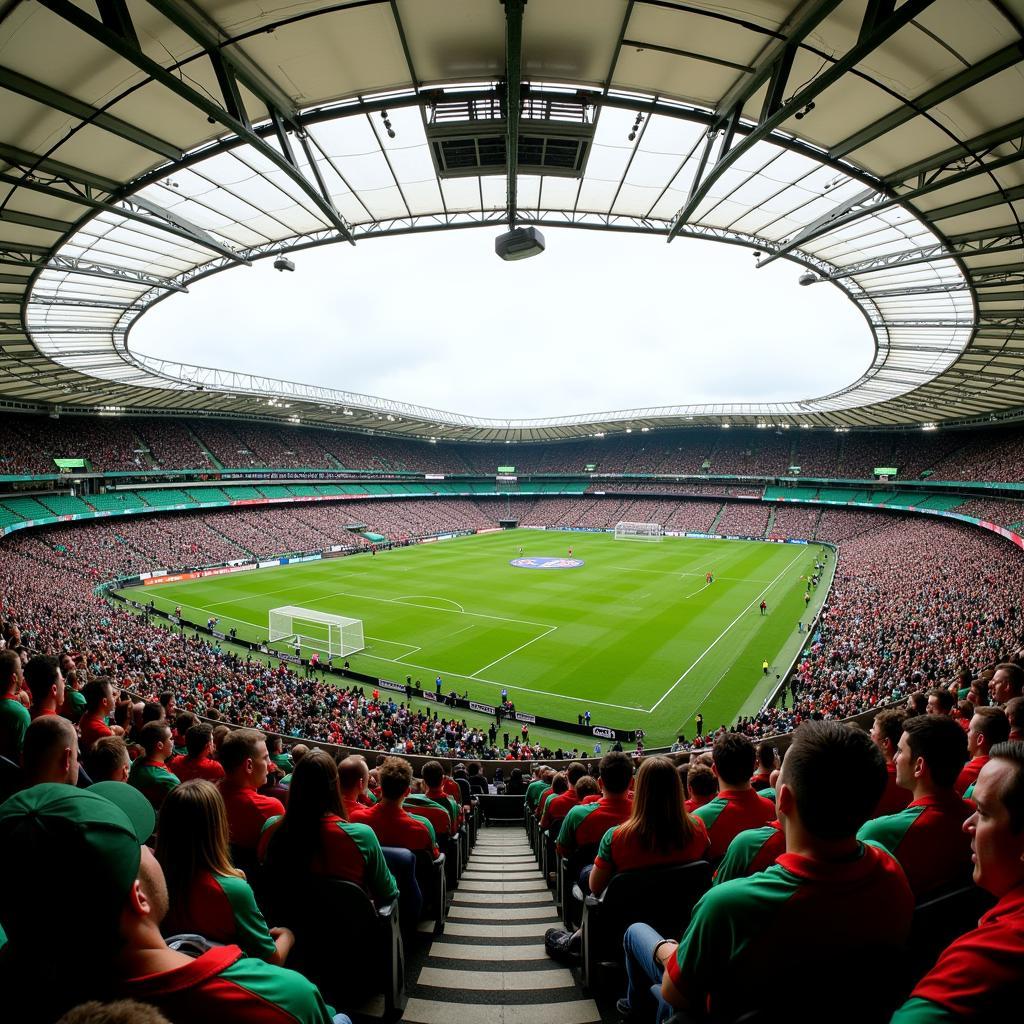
(600, 321)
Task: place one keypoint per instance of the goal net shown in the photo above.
(639, 531)
(319, 631)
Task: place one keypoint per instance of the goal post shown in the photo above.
(651, 532)
(336, 635)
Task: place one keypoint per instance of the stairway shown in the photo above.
(713, 528)
(490, 967)
(771, 522)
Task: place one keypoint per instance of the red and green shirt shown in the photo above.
(153, 779)
(730, 949)
(620, 850)
(558, 807)
(247, 811)
(928, 840)
(348, 850)
(93, 727)
(979, 976)
(894, 798)
(187, 768)
(395, 826)
(586, 824)
(969, 773)
(731, 813)
(223, 985)
(221, 908)
(14, 721)
(451, 804)
(437, 815)
(750, 852)
(533, 792)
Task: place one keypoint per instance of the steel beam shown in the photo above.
(134, 208)
(33, 163)
(866, 45)
(34, 220)
(97, 30)
(909, 109)
(89, 268)
(513, 100)
(12, 81)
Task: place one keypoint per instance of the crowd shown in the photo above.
(29, 444)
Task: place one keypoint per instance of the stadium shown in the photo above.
(321, 704)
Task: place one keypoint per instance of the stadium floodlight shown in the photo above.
(332, 634)
(650, 532)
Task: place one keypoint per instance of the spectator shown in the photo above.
(99, 706)
(123, 1011)
(886, 730)
(246, 762)
(45, 684)
(1014, 709)
(927, 837)
(207, 894)
(74, 701)
(477, 779)
(540, 784)
(280, 758)
(940, 701)
(737, 806)
(14, 716)
(751, 851)
(197, 762)
(819, 903)
(314, 837)
(586, 824)
(978, 977)
(557, 808)
(1007, 682)
(353, 778)
(44, 829)
(50, 752)
(702, 784)
(108, 760)
(658, 833)
(183, 721)
(392, 824)
(989, 726)
(767, 762)
(149, 773)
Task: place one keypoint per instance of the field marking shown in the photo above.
(411, 648)
(714, 643)
(458, 631)
(510, 653)
(429, 597)
(672, 572)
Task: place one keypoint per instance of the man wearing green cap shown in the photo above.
(101, 830)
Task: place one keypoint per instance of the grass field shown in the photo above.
(634, 635)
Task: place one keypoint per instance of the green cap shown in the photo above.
(43, 829)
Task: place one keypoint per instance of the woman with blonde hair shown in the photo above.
(658, 833)
(207, 894)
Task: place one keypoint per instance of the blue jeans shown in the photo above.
(644, 976)
(342, 1018)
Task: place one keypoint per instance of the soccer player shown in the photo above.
(764, 608)
(570, 552)
(978, 977)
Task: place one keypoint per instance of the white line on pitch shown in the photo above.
(714, 642)
(670, 572)
(510, 653)
(458, 631)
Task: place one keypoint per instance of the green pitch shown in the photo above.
(635, 635)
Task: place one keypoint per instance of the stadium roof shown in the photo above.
(145, 143)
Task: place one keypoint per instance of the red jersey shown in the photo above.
(394, 826)
(969, 773)
(978, 977)
(586, 824)
(92, 728)
(731, 813)
(621, 851)
(247, 811)
(559, 807)
(894, 798)
(187, 768)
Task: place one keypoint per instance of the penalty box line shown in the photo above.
(714, 643)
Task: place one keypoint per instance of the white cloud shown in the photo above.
(600, 321)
